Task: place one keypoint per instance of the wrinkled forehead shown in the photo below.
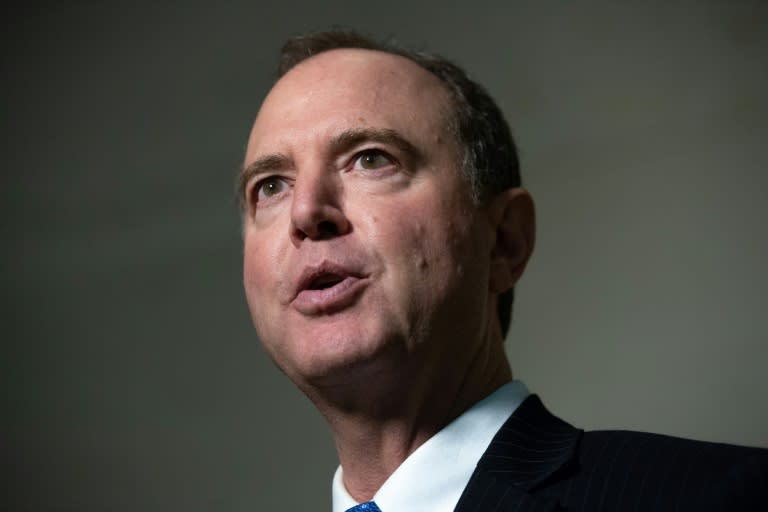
(351, 86)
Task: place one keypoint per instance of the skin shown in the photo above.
(351, 170)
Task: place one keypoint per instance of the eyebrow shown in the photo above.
(339, 144)
(265, 164)
(350, 138)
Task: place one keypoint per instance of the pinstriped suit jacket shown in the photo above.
(537, 462)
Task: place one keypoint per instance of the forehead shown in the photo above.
(347, 88)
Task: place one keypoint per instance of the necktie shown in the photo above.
(368, 506)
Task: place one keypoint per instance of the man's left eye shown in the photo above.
(371, 160)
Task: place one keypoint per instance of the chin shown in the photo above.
(336, 352)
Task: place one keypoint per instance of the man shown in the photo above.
(384, 229)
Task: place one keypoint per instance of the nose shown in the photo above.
(316, 211)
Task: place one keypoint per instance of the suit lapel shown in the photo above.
(532, 449)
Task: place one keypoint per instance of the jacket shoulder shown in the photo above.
(618, 469)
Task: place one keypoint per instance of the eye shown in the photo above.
(268, 187)
(373, 159)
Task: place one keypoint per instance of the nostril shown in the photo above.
(327, 228)
(317, 221)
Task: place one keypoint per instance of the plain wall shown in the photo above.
(132, 377)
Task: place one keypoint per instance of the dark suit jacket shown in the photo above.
(537, 462)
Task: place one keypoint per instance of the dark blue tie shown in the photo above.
(365, 507)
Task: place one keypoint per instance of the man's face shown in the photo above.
(362, 247)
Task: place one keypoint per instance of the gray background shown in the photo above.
(132, 379)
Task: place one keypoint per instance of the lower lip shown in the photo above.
(330, 300)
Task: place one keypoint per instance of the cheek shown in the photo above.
(264, 248)
(402, 234)
(252, 262)
(260, 293)
(261, 276)
(252, 284)
(423, 248)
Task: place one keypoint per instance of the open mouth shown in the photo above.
(325, 281)
(327, 289)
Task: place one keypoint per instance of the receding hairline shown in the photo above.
(446, 104)
(410, 63)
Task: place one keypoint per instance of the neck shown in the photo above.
(375, 433)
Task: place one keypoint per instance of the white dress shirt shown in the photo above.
(433, 477)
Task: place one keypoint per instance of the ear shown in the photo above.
(513, 218)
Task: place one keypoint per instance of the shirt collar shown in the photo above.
(436, 473)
